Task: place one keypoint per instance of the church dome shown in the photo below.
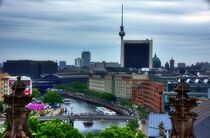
(156, 63)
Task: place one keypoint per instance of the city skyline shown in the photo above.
(61, 30)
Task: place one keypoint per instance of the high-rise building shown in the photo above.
(172, 64)
(86, 58)
(29, 68)
(135, 53)
(62, 64)
(78, 62)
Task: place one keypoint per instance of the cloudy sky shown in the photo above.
(62, 29)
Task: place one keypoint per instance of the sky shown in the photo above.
(62, 29)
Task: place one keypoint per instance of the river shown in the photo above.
(79, 107)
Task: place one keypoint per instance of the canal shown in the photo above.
(80, 107)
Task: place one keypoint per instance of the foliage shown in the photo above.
(120, 132)
(2, 131)
(142, 112)
(36, 93)
(34, 123)
(57, 129)
(126, 102)
(75, 86)
(89, 135)
(133, 125)
(1, 107)
(52, 97)
(82, 88)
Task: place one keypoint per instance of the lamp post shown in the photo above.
(16, 112)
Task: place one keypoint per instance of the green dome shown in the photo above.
(156, 63)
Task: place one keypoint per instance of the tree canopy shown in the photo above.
(36, 93)
(120, 132)
(52, 97)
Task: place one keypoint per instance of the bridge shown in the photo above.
(91, 117)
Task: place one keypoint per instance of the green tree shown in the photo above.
(75, 86)
(52, 97)
(34, 123)
(120, 132)
(90, 135)
(126, 102)
(57, 129)
(1, 107)
(36, 93)
(133, 125)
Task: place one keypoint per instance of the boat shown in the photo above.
(88, 123)
(105, 111)
(66, 101)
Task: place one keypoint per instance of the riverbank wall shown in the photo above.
(96, 101)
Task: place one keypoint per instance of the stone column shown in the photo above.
(16, 112)
(182, 118)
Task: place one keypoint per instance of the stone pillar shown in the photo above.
(182, 118)
(16, 112)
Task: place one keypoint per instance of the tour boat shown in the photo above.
(105, 111)
(66, 101)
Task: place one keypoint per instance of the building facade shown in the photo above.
(136, 53)
(149, 94)
(4, 86)
(29, 68)
(62, 64)
(78, 62)
(86, 58)
(119, 85)
(97, 83)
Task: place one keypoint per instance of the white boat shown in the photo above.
(105, 111)
(66, 101)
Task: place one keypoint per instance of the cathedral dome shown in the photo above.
(156, 63)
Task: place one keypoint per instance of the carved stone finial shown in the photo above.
(182, 118)
(16, 112)
(19, 86)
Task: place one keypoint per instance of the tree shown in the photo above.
(89, 135)
(120, 132)
(58, 129)
(133, 125)
(1, 107)
(75, 86)
(34, 124)
(52, 97)
(36, 93)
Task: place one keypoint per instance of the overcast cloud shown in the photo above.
(61, 29)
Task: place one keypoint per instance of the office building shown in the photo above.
(78, 62)
(29, 68)
(62, 64)
(136, 54)
(149, 94)
(86, 58)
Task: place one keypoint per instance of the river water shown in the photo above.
(79, 107)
